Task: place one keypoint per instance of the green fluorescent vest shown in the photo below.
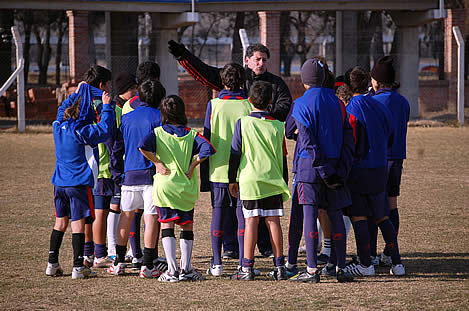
(175, 190)
(261, 166)
(225, 113)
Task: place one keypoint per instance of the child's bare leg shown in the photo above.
(150, 238)
(276, 236)
(250, 236)
(99, 226)
(124, 227)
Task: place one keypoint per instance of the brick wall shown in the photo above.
(77, 43)
(269, 31)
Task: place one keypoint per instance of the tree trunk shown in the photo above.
(378, 50)
(27, 25)
(365, 34)
(286, 47)
(6, 21)
(61, 26)
(237, 50)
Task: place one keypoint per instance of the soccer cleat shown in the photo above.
(169, 278)
(323, 259)
(375, 260)
(385, 261)
(329, 270)
(397, 270)
(256, 271)
(137, 263)
(192, 275)
(279, 273)
(359, 270)
(215, 270)
(88, 260)
(306, 277)
(118, 269)
(149, 273)
(343, 277)
(230, 255)
(302, 250)
(54, 269)
(291, 271)
(82, 272)
(160, 264)
(102, 262)
(244, 274)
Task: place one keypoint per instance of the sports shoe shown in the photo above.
(169, 278)
(397, 270)
(230, 255)
(244, 274)
(385, 261)
(359, 270)
(192, 275)
(88, 260)
(302, 250)
(279, 273)
(215, 270)
(160, 264)
(137, 263)
(102, 262)
(149, 273)
(323, 259)
(256, 271)
(291, 271)
(118, 269)
(267, 254)
(375, 260)
(329, 270)
(305, 276)
(54, 269)
(82, 272)
(343, 277)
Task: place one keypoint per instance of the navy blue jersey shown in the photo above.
(400, 110)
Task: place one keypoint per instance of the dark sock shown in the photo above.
(148, 256)
(56, 238)
(373, 229)
(241, 227)
(230, 228)
(339, 243)
(362, 238)
(100, 250)
(279, 261)
(120, 254)
(216, 229)
(247, 263)
(394, 218)
(134, 236)
(390, 237)
(311, 234)
(295, 232)
(78, 243)
(89, 248)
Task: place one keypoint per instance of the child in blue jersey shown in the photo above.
(220, 119)
(76, 139)
(322, 160)
(256, 161)
(136, 190)
(171, 148)
(368, 178)
(382, 80)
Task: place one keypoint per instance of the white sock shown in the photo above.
(327, 247)
(348, 225)
(186, 254)
(311, 270)
(169, 246)
(112, 223)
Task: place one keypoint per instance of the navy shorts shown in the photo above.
(306, 193)
(221, 197)
(334, 199)
(74, 202)
(394, 177)
(166, 214)
(371, 205)
(116, 197)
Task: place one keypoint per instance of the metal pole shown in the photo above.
(244, 41)
(460, 42)
(19, 79)
(339, 36)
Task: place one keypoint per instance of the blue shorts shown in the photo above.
(306, 193)
(104, 187)
(116, 198)
(166, 214)
(102, 202)
(370, 205)
(335, 199)
(74, 202)
(221, 197)
(394, 177)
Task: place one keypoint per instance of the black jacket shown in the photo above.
(210, 77)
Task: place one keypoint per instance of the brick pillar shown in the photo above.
(269, 29)
(456, 17)
(77, 44)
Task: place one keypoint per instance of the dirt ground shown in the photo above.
(434, 209)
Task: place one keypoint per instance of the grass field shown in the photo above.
(434, 209)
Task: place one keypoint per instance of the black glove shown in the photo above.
(177, 49)
(334, 181)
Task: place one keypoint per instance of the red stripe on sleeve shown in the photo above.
(342, 107)
(353, 123)
(197, 76)
(198, 134)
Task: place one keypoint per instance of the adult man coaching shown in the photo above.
(256, 60)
